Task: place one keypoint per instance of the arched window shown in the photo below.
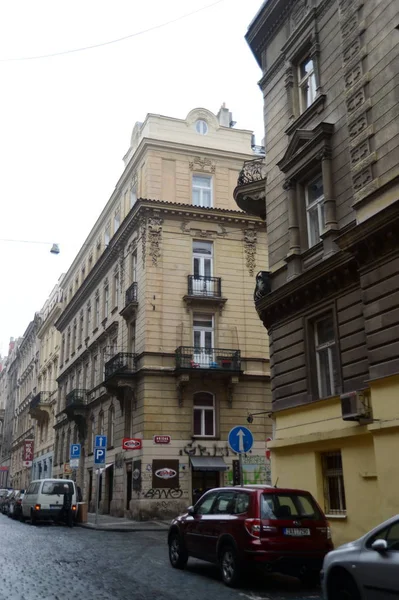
(204, 414)
(75, 435)
(111, 425)
(100, 430)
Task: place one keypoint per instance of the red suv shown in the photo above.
(280, 530)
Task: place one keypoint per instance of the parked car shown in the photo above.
(4, 501)
(282, 530)
(44, 499)
(15, 504)
(367, 569)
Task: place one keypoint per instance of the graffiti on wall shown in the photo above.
(256, 469)
(194, 448)
(160, 493)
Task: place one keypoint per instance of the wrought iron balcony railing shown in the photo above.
(189, 357)
(121, 363)
(199, 285)
(40, 398)
(252, 170)
(131, 294)
(76, 397)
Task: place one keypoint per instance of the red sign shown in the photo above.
(162, 439)
(132, 444)
(27, 456)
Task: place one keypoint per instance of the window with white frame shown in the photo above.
(134, 267)
(107, 235)
(106, 301)
(88, 320)
(94, 371)
(201, 127)
(81, 327)
(326, 356)
(306, 83)
(117, 221)
(97, 312)
(133, 196)
(111, 426)
(314, 195)
(333, 478)
(204, 414)
(116, 289)
(202, 191)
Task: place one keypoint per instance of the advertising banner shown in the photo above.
(27, 455)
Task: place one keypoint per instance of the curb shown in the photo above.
(122, 529)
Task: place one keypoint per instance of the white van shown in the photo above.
(44, 499)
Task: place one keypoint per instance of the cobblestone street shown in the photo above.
(49, 562)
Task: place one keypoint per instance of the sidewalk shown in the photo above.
(108, 523)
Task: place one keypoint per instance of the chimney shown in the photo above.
(225, 117)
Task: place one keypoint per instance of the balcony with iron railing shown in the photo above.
(131, 302)
(122, 364)
(250, 192)
(76, 398)
(221, 360)
(40, 405)
(204, 290)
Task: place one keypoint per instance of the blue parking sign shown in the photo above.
(99, 456)
(100, 441)
(74, 451)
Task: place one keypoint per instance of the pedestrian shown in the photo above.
(67, 506)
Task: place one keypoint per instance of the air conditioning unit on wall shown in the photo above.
(355, 406)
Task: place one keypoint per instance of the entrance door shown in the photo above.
(203, 481)
(203, 340)
(129, 484)
(202, 266)
(110, 487)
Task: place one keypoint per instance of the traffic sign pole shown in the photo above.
(97, 494)
(241, 471)
(240, 440)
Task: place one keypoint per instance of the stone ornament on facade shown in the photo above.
(186, 227)
(155, 235)
(250, 249)
(143, 233)
(205, 165)
(299, 11)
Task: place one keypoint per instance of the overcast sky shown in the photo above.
(66, 121)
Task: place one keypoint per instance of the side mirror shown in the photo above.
(190, 510)
(379, 545)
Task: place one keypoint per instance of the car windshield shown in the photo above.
(289, 505)
(55, 488)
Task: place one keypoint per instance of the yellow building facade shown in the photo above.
(154, 344)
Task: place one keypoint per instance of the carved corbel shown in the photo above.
(180, 386)
(250, 239)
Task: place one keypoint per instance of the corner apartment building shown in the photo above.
(43, 403)
(154, 344)
(330, 297)
(26, 385)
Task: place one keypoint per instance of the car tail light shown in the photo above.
(73, 506)
(38, 506)
(253, 526)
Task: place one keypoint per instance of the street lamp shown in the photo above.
(250, 417)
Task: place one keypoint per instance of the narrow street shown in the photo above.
(49, 562)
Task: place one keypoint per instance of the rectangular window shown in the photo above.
(88, 321)
(203, 334)
(314, 195)
(95, 371)
(306, 84)
(134, 267)
(202, 191)
(117, 221)
(333, 477)
(326, 356)
(106, 301)
(202, 268)
(81, 329)
(204, 414)
(107, 235)
(74, 332)
(133, 196)
(97, 312)
(116, 289)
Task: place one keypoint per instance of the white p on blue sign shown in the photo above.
(100, 441)
(99, 456)
(74, 451)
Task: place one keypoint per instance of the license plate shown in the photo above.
(296, 532)
(55, 506)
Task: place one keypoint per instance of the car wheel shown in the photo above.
(342, 587)
(177, 554)
(229, 566)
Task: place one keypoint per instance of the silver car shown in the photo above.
(367, 569)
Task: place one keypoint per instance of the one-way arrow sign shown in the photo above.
(240, 439)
